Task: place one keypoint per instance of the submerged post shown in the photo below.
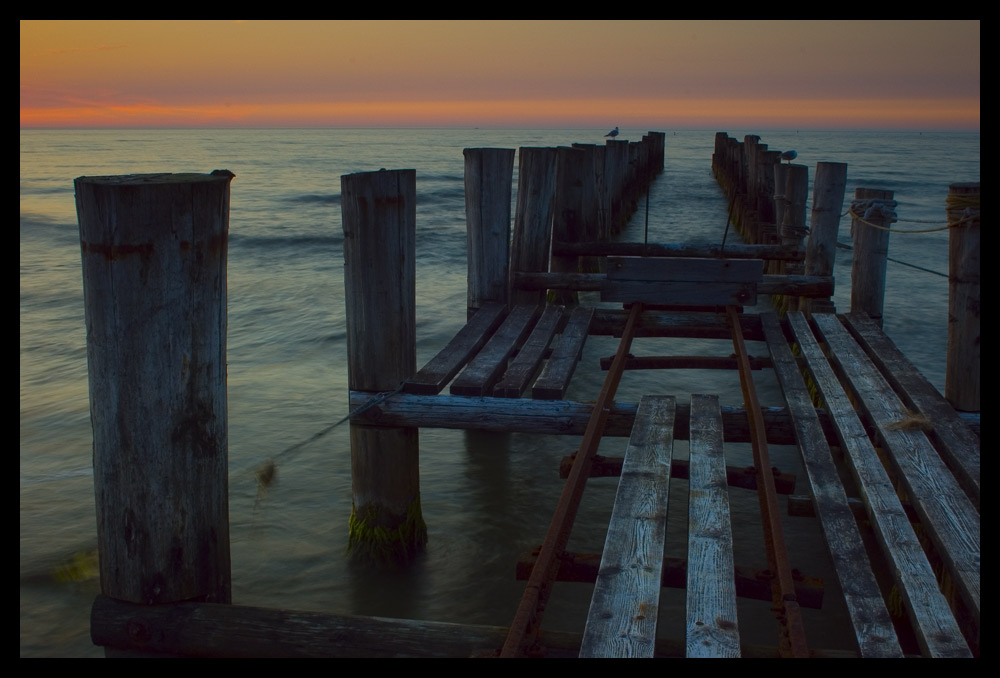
(962, 373)
(872, 211)
(821, 247)
(488, 175)
(154, 252)
(379, 219)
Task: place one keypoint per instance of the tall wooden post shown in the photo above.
(379, 218)
(567, 213)
(154, 251)
(792, 227)
(962, 374)
(821, 247)
(488, 176)
(536, 182)
(872, 211)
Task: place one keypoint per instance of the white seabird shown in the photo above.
(788, 156)
(613, 133)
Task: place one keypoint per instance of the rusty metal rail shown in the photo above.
(786, 607)
(523, 633)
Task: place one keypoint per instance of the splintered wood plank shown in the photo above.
(478, 377)
(956, 442)
(685, 269)
(525, 366)
(446, 364)
(948, 515)
(554, 379)
(936, 630)
(712, 629)
(873, 627)
(623, 610)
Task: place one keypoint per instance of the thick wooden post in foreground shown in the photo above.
(821, 247)
(962, 373)
(488, 175)
(872, 211)
(379, 218)
(154, 280)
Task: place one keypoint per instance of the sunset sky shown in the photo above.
(656, 74)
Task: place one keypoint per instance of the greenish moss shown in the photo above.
(371, 541)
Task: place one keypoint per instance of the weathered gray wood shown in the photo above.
(873, 627)
(872, 213)
(526, 415)
(949, 517)
(206, 630)
(744, 477)
(962, 370)
(533, 219)
(154, 250)
(799, 285)
(555, 376)
(567, 210)
(953, 438)
(936, 630)
(752, 583)
(680, 293)
(525, 366)
(684, 269)
(433, 376)
(479, 376)
(712, 629)
(827, 204)
(625, 604)
(629, 249)
(379, 220)
(488, 174)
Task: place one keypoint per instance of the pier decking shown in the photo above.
(888, 461)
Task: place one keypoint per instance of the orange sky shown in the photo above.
(702, 74)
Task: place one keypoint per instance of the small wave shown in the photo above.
(313, 199)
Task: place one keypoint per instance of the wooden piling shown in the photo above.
(962, 373)
(379, 219)
(567, 213)
(792, 225)
(821, 247)
(488, 175)
(536, 177)
(154, 249)
(872, 211)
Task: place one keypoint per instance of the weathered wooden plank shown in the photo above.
(799, 285)
(627, 249)
(750, 582)
(624, 607)
(873, 627)
(952, 436)
(481, 373)
(488, 173)
(936, 630)
(564, 417)
(554, 379)
(525, 366)
(680, 293)
(671, 269)
(712, 629)
(949, 517)
(433, 376)
(744, 477)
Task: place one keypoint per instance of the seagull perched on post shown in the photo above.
(613, 133)
(788, 156)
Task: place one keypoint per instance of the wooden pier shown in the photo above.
(891, 469)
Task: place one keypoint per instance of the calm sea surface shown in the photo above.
(485, 498)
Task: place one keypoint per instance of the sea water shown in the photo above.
(485, 498)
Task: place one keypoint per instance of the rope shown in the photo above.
(267, 471)
(845, 246)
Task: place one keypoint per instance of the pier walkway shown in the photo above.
(891, 469)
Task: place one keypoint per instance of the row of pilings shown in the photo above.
(583, 193)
